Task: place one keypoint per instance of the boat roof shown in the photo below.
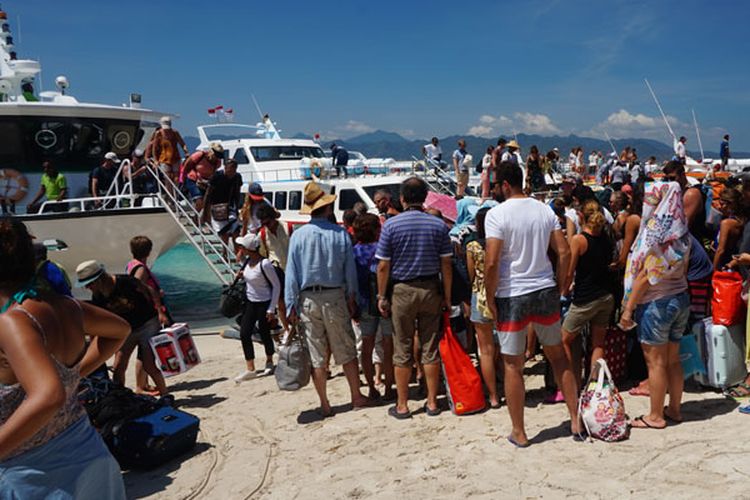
(75, 108)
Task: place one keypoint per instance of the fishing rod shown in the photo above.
(614, 149)
(256, 106)
(671, 132)
(698, 133)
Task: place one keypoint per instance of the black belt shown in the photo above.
(429, 277)
(316, 288)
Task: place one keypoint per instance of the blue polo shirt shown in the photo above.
(414, 242)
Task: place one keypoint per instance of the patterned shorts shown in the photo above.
(515, 313)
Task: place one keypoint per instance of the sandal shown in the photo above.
(739, 391)
(644, 424)
(516, 443)
(393, 412)
(431, 413)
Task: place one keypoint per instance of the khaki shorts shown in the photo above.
(416, 304)
(325, 321)
(463, 178)
(597, 312)
(169, 169)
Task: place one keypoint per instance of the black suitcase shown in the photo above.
(153, 439)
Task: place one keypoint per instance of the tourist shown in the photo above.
(249, 211)
(656, 291)
(131, 300)
(339, 158)
(486, 169)
(347, 220)
(461, 165)
(320, 291)
(197, 171)
(54, 187)
(626, 225)
(383, 200)
(274, 240)
(521, 290)
(512, 152)
(499, 152)
(414, 251)
(724, 153)
(534, 175)
(480, 312)
(734, 215)
(50, 276)
(366, 232)
(262, 290)
(103, 176)
(650, 168)
(591, 252)
(693, 201)
(680, 151)
(163, 150)
(142, 181)
(48, 448)
(222, 201)
(618, 175)
(433, 153)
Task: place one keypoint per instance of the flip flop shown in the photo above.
(516, 443)
(431, 413)
(734, 392)
(645, 425)
(637, 391)
(323, 414)
(393, 412)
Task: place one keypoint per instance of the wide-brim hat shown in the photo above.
(87, 272)
(513, 144)
(315, 198)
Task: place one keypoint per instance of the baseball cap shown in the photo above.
(250, 241)
(255, 192)
(112, 157)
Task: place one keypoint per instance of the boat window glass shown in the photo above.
(280, 200)
(241, 157)
(395, 190)
(11, 144)
(280, 153)
(347, 199)
(295, 200)
(269, 196)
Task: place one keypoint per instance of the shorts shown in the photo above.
(540, 309)
(663, 320)
(369, 325)
(229, 226)
(140, 337)
(463, 178)
(194, 192)
(169, 169)
(476, 316)
(416, 306)
(324, 317)
(598, 312)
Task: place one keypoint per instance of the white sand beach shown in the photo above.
(259, 442)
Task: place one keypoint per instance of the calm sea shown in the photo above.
(192, 289)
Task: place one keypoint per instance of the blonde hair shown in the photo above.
(593, 216)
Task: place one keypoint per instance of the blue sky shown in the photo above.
(417, 68)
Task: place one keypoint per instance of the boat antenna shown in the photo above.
(255, 101)
(671, 132)
(698, 133)
(18, 29)
(614, 149)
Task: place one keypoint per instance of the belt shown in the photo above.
(317, 288)
(427, 277)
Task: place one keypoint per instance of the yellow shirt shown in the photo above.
(275, 246)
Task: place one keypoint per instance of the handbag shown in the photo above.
(727, 307)
(601, 407)
(294, 365)
(233, 296)
(463, 384)
(220, 212)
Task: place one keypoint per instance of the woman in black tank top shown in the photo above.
(592, 298)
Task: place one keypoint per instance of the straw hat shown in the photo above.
(315, 198)
(513, 144)
(87, 272)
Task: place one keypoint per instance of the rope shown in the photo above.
(215, 460)
(265, 471)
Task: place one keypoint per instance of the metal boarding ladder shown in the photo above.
(219, 257)
(437, 178)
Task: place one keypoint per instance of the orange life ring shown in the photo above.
(13, 184)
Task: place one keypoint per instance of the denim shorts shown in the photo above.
(368, 325)
(663, 320)
(476, 316)
(193, 190)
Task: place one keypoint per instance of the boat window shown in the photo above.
(347, 199)
(241, 157)
(280, 153)
(11, 144)
(268, 196)
(295, 200)
(394, 189)
(280, 201)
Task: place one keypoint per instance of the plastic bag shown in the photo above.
(690, 357)
(727, 307)
(601, 407)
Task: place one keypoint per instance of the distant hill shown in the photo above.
(383, 144)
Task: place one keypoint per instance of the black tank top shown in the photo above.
(592, 272)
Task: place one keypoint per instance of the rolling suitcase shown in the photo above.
(155, 438)
(722, 349)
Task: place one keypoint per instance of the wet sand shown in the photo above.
(259, 442)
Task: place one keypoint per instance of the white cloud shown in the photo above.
(523, 122)
(357, 127)
(624, 124)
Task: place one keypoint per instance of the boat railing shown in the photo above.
(306, 172)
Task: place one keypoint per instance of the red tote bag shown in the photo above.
(464, 384)
(727, 306)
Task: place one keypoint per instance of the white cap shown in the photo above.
(165, 122)
(250, 241)
(112, 157)
(138, 153)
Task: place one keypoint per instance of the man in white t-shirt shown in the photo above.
(521, 290)
(433, 153)
(679, 150)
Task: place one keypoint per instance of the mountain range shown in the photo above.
(384, 144)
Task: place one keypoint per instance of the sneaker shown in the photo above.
(268, 370)
(246, 375)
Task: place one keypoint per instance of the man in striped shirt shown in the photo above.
(414, 251)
